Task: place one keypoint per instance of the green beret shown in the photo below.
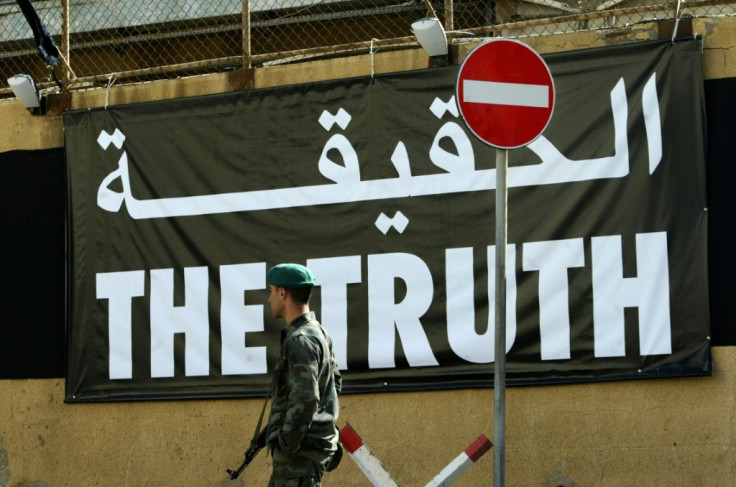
(290, 275)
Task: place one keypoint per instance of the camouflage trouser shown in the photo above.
(304, 470)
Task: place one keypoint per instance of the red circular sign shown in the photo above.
(505, 93)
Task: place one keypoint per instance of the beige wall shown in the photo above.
(664, 432)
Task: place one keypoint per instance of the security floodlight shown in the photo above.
(431, 36)
(25, 90)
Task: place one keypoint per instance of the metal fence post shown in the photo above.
(246, 34)
(449, 16)
(66, 69)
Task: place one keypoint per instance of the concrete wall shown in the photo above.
(664, 432)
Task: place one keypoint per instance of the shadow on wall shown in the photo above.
(4, 468)
(559, 480)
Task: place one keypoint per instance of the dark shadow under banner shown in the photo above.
(32, 288)
(178, 208)
(720, 98)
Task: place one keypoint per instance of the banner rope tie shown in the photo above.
(110, 82)
(678, 16)
(373, 58)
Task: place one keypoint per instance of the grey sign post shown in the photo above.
(505, 94)
(499, 364)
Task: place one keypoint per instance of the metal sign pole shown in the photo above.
(499, 368)
(491, 76)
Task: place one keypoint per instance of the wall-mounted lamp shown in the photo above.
(431, 36)
(25, 90)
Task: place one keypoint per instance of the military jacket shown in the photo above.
(304, 391)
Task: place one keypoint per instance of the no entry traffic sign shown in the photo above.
(505, 93)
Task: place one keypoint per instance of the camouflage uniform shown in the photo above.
(302, 435)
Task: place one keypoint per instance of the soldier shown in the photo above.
(301, 435)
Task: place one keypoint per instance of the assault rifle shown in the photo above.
(256, 445)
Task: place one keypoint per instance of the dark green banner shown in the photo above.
(177, 209)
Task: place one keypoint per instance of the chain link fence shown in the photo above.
(136, 41)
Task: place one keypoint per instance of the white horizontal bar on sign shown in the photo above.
(495, 93)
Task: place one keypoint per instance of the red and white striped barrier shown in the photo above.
(462, 462)
(380, 477)
(366, 460)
